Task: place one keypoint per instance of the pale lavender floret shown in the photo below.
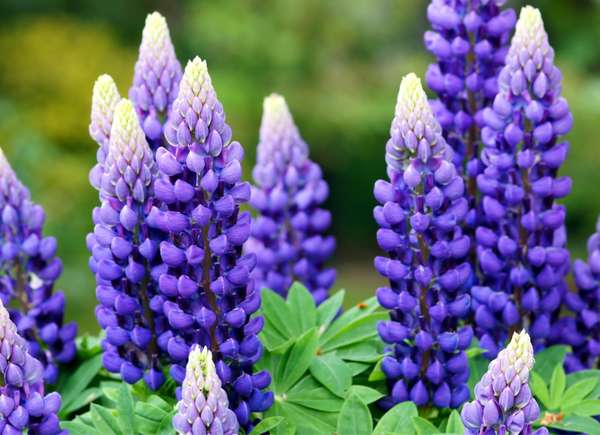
(156, 79)
(124, 253)
(29, 268)
(204, 407)
(420, 212)
(289, 235)
(205, 289)
(23, 405)
(503, 401)
(521, 242)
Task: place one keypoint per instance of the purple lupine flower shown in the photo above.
(105, 98)
(204, 407)
(420, 212)
(156, 79)
(24, 408)
(205, 288)
(470, 41)
(503, 401)
(124, 254)
(521, 239)
(29, 268)
(288, 235)
(582, 331)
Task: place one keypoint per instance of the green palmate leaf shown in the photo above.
(266, 425)
(110, 390)
(455, 424)
(73, 388)
(367, 351)
(311, 394)
(578, 391)
(539, 389)
(84, 399)
(273, 340)
(333, 373)
(297, 359)
(477, 367)
(398, 419)
(586, 408)
(557, 386)
(356, 312)
(367, 394)
(579, 424)
(356, 367)
(277, 312)
(308, 421)
(149, 415)
(547, 359)
(424, 427)
(592, 376)
(286, 427)
(105, 420)
(358, 330)
(78, 427)
(377, 373)
(327, 311)
(125, 405)
(302, 306)
(355, 418)
(165, 426)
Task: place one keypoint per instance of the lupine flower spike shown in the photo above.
(503, 401)
(470, 40)
(23, 406)
(420, 212)
(29, 268)
(521, 242)
(204, 407)
(288, 235)
(124, 253)
(156, 78)
(582, 331)
(105, 98)
(205, 288)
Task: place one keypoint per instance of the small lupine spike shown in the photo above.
(206, 292)
(503, 400)
(29, 268)
(124, 255)
(204, 407)
(105, 98)
(420, 212)
(23, 406)
(521, 239)
(288, 236)
(156, 79)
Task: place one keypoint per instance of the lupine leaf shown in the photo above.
(333, 373)
(150, 411)
(327, 311)
(84, 399)
(424, 427)
(105, 420)
(477, 367)
(277, 312)
(308, 421)
(367, 351)
(586, 408)
(539, 389)
(356, 331)
(166, 425)
(125, 405)
(547, 359)
(578, 391)
(298, 359)
(557, 386)
(311, 394)
(356, 312)
(78, 427)
(302, 306)
(356, 367)
(591, 375)
(286, 427)
(367, 394)
(355, 418)
(266, 425)
(110, 390)
(398, 419)
(579, 424)
(80, 379)
(455, 424)
(377, 373)
(273, 340)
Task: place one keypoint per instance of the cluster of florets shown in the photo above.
(288, 236)
(29, 268)
(420, 212)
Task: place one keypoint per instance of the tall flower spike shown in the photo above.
(420, 212)
(23, 406)
(205, 288)
(503, 400)
(204, 407)
(288, 236)
(156, 78)
(28, 268)
(124, 255)
(582, 331)
(470, 40)
(105, 98)
(521, 242)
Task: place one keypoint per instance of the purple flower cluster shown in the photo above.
(124, 254)
(288, 235)
(582, 332)
(205, 289)
(156, 79)
(23, 406)
(420, 214)
(503, 401)
(29, 267)
(204, 407)
(521, 242)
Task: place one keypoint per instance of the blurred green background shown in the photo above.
(338, 62)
